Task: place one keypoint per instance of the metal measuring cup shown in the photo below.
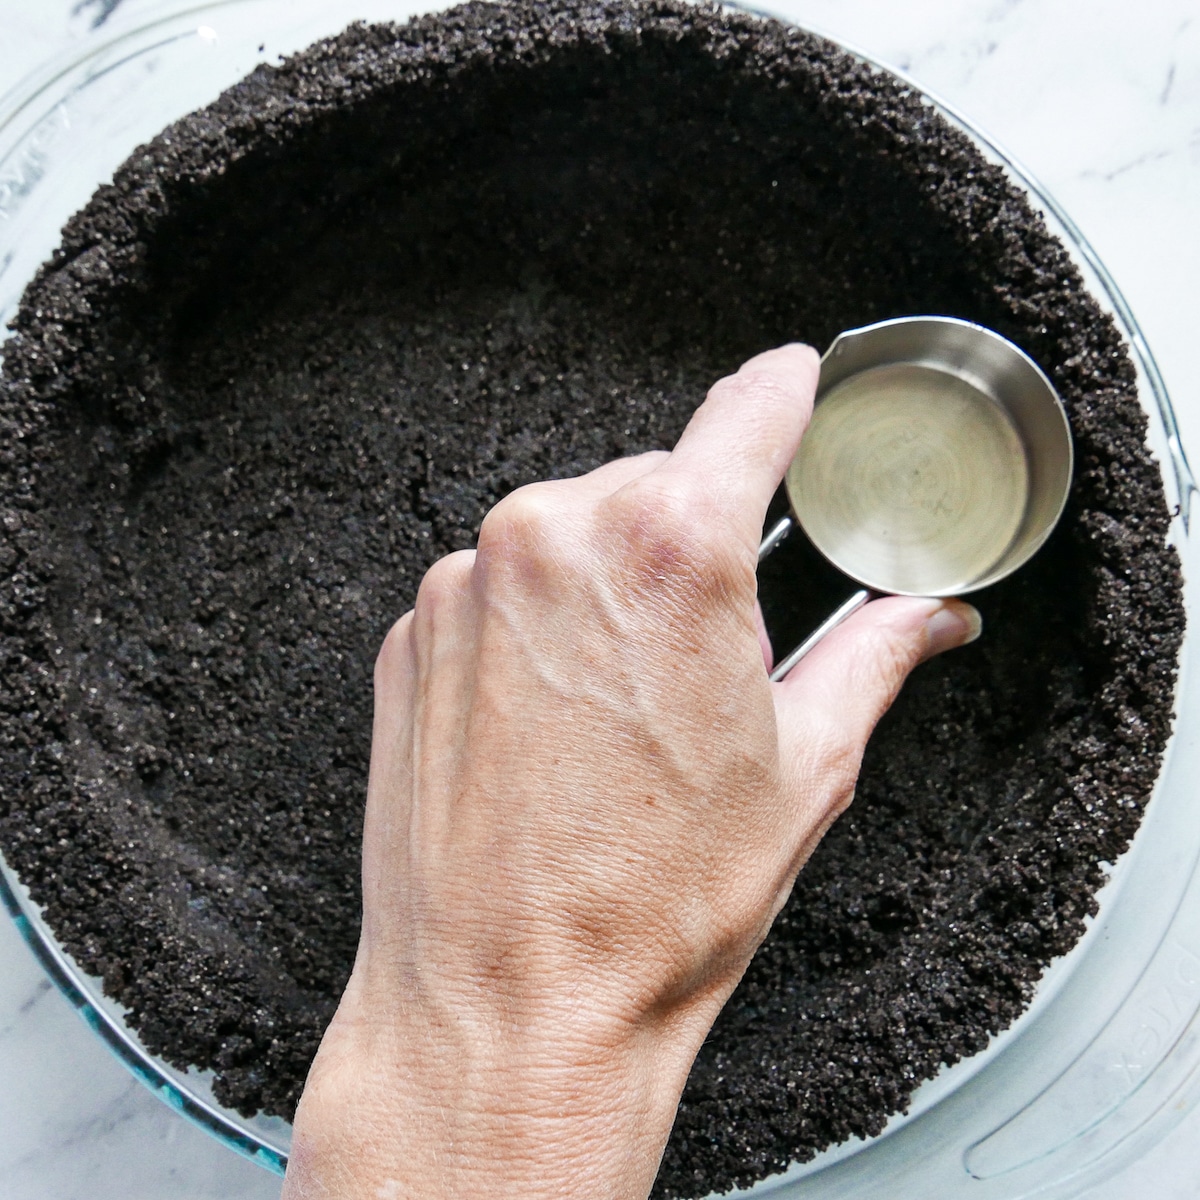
(937, 462)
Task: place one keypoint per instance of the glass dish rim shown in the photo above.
(61, 70)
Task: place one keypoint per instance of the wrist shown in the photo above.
(443, 1100)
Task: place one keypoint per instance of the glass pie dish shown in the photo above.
(1097, 1064)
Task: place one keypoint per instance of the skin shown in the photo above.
(587, 803)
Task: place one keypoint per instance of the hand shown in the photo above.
(586, 805)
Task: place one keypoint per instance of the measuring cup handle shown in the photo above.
(828, 625)
(777, 533)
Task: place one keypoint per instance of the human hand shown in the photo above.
(586, 805)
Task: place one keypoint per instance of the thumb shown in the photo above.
(828, 705)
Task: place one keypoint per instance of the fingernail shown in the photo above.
(953, 624)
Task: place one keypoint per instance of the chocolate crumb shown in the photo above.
(311, 333)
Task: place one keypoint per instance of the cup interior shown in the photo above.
(938, 460)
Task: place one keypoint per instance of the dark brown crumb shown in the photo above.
(311, 333)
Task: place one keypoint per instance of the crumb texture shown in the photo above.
(310, 334)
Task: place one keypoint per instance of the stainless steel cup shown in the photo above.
(937, 462)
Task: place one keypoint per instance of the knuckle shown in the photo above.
(662, 535)
(442, 586)
(449, 575)
(393, 653)
(751, 384)
(885, 662)
(648, 459)
(522, 522)
(660, 523)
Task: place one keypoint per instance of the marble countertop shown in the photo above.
(1100, 101)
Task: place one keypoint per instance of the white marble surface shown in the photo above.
(1100, 100)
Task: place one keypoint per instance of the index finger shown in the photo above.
(740, 441)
